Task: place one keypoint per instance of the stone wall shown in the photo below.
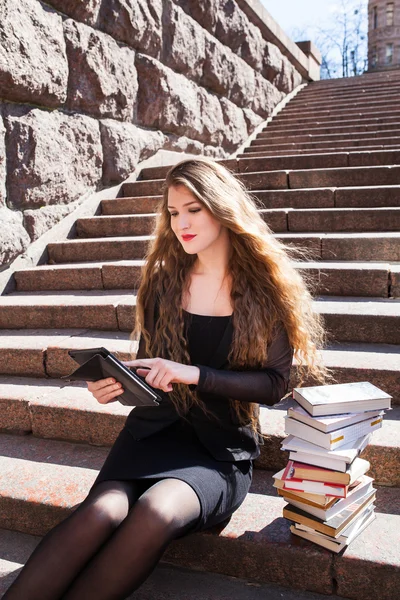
(90, 89)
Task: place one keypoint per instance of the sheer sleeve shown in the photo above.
(265, 386)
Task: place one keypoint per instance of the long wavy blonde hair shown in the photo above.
(266, 286)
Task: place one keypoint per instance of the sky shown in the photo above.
(301, 15)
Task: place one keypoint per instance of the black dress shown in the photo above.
(176, 452)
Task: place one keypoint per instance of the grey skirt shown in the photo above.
(177, 453)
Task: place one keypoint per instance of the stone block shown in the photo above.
(113, 226)
(137, 23)
(265, 180)
(144, 188)
(33, 61)
(122, 275)
(227, 74)
(44, 278)
(170, 102)
(272, 62)
(52, 157)
(367, 196)
(73, 414)
(235, 130)
(14, 238)
(26, 361)
(204, 12)
(124, 146)
(266, 96)
(284, 81)
(184, 42)
(96, 250)
(102, 79)
(395, 281)
(234, 30)
(252, 120)
(313, 198)
(126, 206)
(87, 11)
(40, 220)
(182, 143)
(361, 247)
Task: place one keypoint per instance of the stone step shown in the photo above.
(362, 197)
(256, 530)
(109, 249)
(366, 320)
(375, 92)
(326, 137)
(358, 279)
(105, 275)
(325, 160)
(270, 133)
(347, 319)
(312, 104)
(339, 177)
(328, 246)
(367, 121)
(108, 310)
(124, 206)
(161, 172)
(252, 151)
(279, 220)
(166, 582)
(349, 145)
(143, 188)
(54, 409)
(344, 110)
(361, 116)
(44, 352)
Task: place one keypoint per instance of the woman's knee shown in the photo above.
(106, 506)
(169, 505)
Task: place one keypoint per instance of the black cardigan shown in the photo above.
(223, 437)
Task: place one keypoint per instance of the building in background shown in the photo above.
(383, 35)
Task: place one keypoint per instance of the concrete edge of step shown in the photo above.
(280, 106)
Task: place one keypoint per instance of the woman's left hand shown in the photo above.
(161, 373)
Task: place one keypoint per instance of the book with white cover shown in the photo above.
(340, 398)
(347, 452)
(329, 542)
(320, 461)
(333, 439)
(348, 531)
(332, 422)
(354, 494)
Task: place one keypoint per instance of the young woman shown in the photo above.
(220, 311)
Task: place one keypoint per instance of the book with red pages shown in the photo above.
(313, 473)
(290, 482)
(337, 459)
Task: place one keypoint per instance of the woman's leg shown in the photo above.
(165, 511)
(67, 548)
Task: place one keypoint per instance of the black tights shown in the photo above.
(108, 547)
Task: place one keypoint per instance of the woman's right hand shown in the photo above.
(105, 390)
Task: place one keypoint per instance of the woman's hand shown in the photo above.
(161, 373)
(105, 390)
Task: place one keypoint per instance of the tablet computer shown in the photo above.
(100, 363)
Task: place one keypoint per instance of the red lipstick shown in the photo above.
(187, 238)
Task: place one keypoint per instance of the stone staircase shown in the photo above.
(326, 171)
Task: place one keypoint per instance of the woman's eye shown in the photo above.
(173, 214)
(195, 210)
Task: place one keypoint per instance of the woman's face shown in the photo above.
(193, 224)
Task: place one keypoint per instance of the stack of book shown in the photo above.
(330, 497)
